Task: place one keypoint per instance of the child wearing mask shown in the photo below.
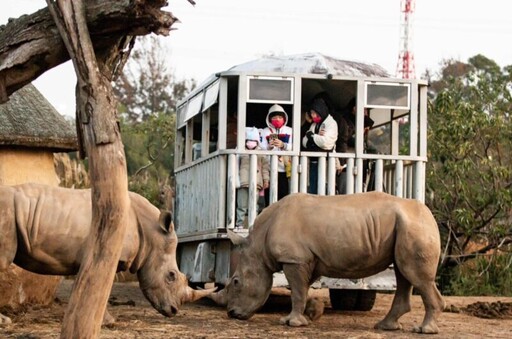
(252, 142)
(278, 137)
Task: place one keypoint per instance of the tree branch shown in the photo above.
(455, 260)
(31, 44)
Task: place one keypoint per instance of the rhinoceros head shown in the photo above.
(160, 280)
(249, 286)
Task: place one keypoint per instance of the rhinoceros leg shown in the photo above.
(418, 265)
(434, 306)
(8, 231)
(422, 277)
(314, 308)
(8, 239)
(401, 304)
(108, 319)
(298, 277)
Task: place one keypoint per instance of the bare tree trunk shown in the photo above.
(97, 121)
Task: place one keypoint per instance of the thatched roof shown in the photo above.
(29, 120)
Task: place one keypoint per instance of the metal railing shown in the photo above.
(206, 188)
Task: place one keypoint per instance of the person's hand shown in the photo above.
(278, 143)
(265, 185)
(308, 118)
(322, 131)
(339, 168)
(309, 135)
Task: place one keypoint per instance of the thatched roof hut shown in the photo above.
(31, 131)
(29, 120)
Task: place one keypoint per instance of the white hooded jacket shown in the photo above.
(284, 133)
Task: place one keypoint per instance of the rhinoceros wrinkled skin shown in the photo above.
(43, 229)
(343, 236)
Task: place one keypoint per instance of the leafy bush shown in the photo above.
(486, 275)
(147, 186)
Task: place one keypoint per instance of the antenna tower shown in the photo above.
(405, 68)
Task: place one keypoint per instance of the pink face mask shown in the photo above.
(277, 123)
(251, 144)
(317, 119)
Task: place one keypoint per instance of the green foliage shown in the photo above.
(147, 186)
(150, 144)
(469, 174)
(147, 86)
(487, 275)
(148, 93)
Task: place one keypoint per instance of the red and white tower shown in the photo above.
(405, 68)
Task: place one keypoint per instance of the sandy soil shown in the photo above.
(136, 319)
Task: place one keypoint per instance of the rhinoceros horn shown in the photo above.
(220, 298)
(193, 295)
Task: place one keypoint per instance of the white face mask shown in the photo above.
(251, 144)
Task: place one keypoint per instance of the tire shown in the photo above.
(343, 300)
(366, 300)
(352, 300)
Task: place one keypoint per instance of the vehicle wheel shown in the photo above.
(343, 300)
(366, 300)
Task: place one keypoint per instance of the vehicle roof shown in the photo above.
(311, 63)
(305, 63)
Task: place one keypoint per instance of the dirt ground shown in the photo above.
(137, 319)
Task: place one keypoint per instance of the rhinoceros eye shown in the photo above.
(236, 281)
(171, 276)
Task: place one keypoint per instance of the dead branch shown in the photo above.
(31, 44)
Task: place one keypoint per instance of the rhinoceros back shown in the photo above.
(52, 225)
(349, 233)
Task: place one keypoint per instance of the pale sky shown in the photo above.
(217, 34)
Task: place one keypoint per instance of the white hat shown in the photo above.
(276, 109)
(252, 133)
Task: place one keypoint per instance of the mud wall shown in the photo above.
(17, 286)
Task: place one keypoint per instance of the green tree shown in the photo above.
(147, 86)
(148, 93)
(469, 174)
(149, 147)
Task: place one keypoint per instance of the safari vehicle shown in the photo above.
(210, 135)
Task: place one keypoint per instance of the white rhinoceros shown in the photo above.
(343, 236)
(43, 229)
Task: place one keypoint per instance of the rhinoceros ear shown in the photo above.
(166, 221)
(237, 239)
